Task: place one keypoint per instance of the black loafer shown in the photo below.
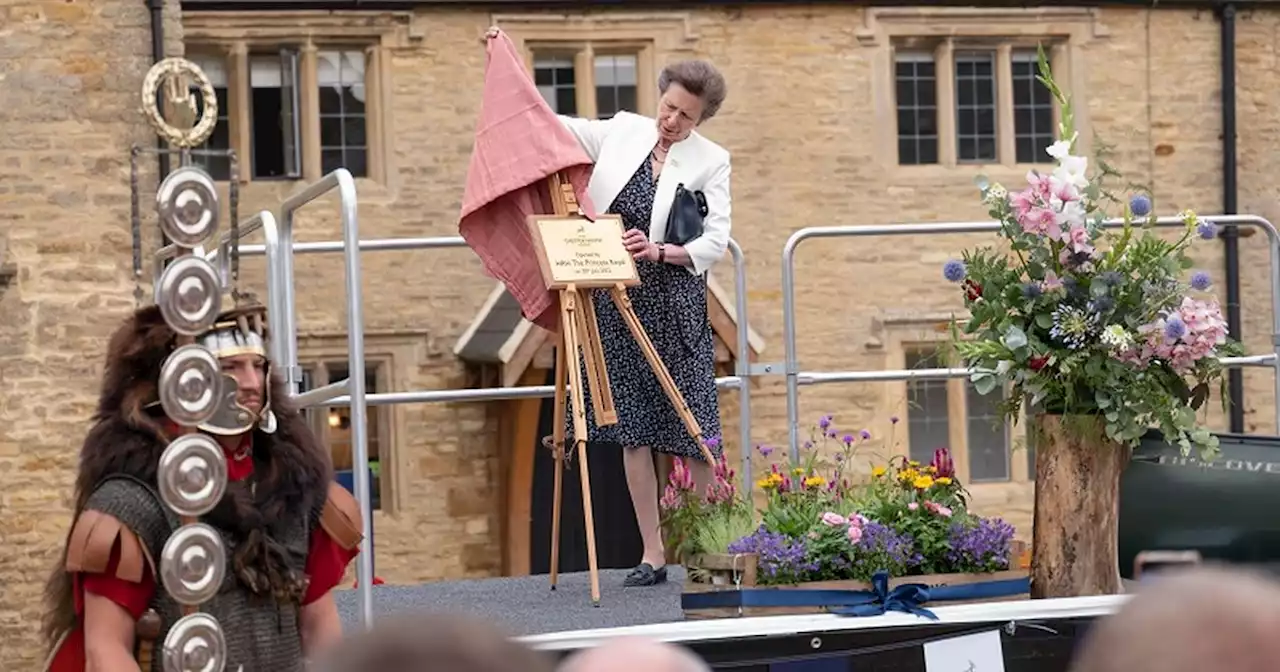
(646, 575)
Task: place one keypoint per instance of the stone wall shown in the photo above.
(801, 121)
(70, 78)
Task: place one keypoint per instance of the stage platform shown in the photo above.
(1038, 635)
(526, 605)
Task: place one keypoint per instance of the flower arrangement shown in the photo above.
(1085, 320)
(819, 523)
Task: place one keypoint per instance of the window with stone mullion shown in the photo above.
(217, 165)
(975, 86)
(340, 74)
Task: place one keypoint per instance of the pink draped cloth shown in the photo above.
(519, 143)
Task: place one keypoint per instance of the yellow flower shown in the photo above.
(945, 480)
(932, 469)
(908, 475)
(797, 471)
(769, 482)
(913, 463)
(923, 482)
(815, 482)
(878, 471)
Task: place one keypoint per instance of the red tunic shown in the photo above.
(327, 561)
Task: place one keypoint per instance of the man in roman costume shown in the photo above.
(289, 531)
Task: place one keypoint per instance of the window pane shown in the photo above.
(975, 106)
(615, 84)
(341, 78)
(988, 437)
(340, 438)
(267, 102)
(928, 421)
(554, 76)
(218, 166)
(916, 86)
(1032, 110)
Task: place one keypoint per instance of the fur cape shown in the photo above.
(291, 469)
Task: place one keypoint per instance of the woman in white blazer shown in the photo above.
(639, 161)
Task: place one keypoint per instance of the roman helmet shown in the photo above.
(240, 331)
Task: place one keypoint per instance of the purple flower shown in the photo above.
(824, 422)
(781, 558)
(865, 434)
(1207, 230)
(893, 420)
(765, 451)
(1140, 205)
(981, 547)
(1174, 328)
(848, 439)
(1200, 281)
(882, 548)
(954, 270)
(712, 442)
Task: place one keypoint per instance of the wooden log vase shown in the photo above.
(1075, 545)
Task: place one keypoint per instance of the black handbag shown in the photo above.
(684, 222)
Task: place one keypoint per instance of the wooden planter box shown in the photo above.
(726, 572)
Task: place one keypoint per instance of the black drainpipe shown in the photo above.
(1231, 234)
(157, 55)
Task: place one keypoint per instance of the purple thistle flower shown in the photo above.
(824, 422)
(765, 451)
(1140, 205)
(865, 434)
(954, 270)
(1200, 281)
(981, 547)
(1207, 230)
(848, 439)
(893, 420)
(711, 442)
(1174, 328)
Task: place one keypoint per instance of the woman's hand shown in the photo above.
(493, 32)
(639, 245)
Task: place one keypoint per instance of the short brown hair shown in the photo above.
(699, 78)
(416, 643)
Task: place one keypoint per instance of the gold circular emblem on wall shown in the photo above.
(177, 75)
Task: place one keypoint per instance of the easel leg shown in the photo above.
(568, 306)
(623, 302)
(593, 357)
(557, 449)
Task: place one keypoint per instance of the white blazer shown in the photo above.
(618, 145)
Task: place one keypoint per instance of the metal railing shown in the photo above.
(279, 249)
(796, 377)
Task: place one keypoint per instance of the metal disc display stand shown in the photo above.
(192, 473)
(580, 333)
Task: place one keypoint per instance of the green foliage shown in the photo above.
(1079, 318)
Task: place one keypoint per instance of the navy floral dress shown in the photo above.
(671, 303)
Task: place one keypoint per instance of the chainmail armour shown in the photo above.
(262, 634)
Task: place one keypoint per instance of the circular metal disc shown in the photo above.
(192, 475)
(195, 644)
(189, 385)
(193, 564)
(189, 295)
(187, 202)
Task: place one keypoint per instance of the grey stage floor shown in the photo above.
(526, 605)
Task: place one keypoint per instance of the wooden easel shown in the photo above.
(579, 330)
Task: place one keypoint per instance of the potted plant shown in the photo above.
(825, 525)
(1100, 333)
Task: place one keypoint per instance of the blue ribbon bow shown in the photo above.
(907, 598)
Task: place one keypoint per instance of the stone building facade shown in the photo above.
(837, 114)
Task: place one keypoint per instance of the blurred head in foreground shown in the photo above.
(1208, 618)
(433, 643)
(635, 655)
